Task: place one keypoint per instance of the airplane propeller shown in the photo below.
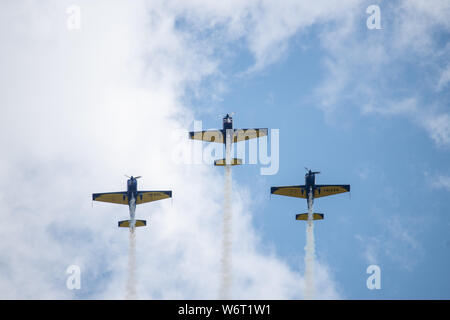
(314, 172)
(133, 177)
(231, 114)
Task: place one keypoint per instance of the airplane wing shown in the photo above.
(323, 190)
(207, 135)
(113, 197)
(290, 191)
(149, 196)
(246, 134)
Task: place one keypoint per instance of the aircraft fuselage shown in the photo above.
(310, 181)
(310, 184)
(131, 188)
(132, 196)
(227, 123)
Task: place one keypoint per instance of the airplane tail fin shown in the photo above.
(137, 223)
(304, 216)
(234, 162)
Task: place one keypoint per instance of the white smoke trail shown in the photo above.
(226, 278)
(309, 291)
(131, 283)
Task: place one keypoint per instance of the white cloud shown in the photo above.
(398, 242)
(394, 71)
(417, 22)
(438, 127)
(82, 108)
(371, 251)
(263, 25)
(444, 79)
(441, 182)
(407, 106)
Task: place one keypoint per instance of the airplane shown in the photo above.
(309, 191)
(132, 197)
(231, 135)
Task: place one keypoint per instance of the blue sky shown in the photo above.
(369, 108)
(390, 162)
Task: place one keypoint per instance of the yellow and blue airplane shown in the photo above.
(227, 136)
(132, 197)
(309, 191)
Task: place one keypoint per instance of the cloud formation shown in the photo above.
(367, 69)
(80, 108)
